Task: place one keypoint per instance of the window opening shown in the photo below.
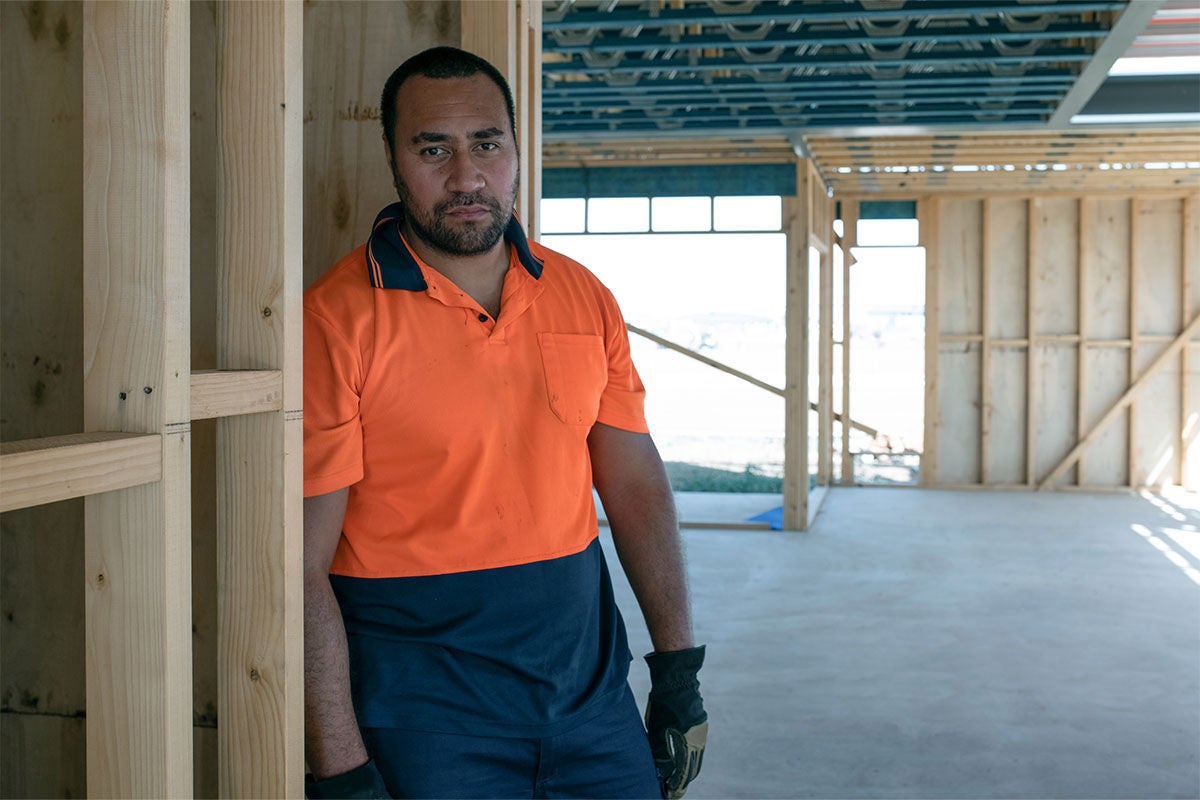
(719, 293)
(887, 351)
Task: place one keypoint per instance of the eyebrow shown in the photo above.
(486, 133)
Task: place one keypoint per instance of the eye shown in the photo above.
(489, 146)
(433, 151)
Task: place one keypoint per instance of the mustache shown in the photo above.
(469, 199)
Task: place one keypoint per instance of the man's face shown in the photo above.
(454, 162)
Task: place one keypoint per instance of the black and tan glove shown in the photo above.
(364, 783)
(675, 718)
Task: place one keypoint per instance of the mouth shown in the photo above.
(469, 208)
(468, 213)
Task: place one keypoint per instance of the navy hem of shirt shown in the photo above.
(522, 650)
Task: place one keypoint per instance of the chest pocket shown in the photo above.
(576, 369)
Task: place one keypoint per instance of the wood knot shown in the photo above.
(254, 674)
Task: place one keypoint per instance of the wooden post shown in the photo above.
(825, 345)
(508, 33)
(1187, 253)
(1085, 232)
(259, 512)
(136, 380)
(849, 240)
(1135, 207)
(928, 212)
(797, 215)
(1033, 263)
(985, 353)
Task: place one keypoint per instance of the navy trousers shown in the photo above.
(606, 757)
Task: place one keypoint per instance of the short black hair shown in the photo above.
(439, 62)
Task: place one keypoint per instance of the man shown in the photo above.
(464, 388)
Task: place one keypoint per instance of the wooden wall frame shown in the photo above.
(133, 462)
(1089, 311)
(260, 708)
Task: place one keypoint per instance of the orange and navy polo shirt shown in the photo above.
(474, 591)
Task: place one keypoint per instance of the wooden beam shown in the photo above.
(1033, 263)
(928, 212)
(36, 471)
(728, 370)
(1134, 274)
(1187, 253)
(985, 349)
(1169, 352)
(849, 240)
(1085, 252)
(825, 342)
(228, 393)
(737, 373)
(260, 659)
(797, 216)
(137, 558)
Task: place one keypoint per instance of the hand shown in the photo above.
(360, 783)
(675, 718)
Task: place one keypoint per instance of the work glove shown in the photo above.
(360, 783)
(675, 718)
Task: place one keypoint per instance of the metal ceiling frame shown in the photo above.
(620, 69)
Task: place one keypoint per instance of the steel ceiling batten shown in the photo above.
(1012, 63)
(560, 16)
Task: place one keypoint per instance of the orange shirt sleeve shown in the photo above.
(622, 405)
(333, 440)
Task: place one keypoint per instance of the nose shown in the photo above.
(463, 173)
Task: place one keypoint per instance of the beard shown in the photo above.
(433, 227)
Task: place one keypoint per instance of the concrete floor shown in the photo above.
(941, 644)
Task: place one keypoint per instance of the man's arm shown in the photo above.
(333, 743)
(633, 485)
(632, 482)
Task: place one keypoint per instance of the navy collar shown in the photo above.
(390, 264)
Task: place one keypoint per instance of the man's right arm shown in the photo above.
(333, 743)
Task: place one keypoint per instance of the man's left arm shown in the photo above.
(632, 482)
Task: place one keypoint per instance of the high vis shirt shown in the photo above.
(474, 591)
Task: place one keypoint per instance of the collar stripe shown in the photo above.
(390, 264)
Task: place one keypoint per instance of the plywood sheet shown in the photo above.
(1056, 266)
(1156, 420)
(41, 358)
(42, 756)
(958, 413)
(1008, 277)
(960, 250)
(1055, 408)
(1105, 462)
(1106, 262)
(1159, 274)
(350, 48)
(1006, 407)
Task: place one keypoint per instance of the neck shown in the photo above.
(480, 276)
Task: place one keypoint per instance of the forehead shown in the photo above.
(432, 105)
